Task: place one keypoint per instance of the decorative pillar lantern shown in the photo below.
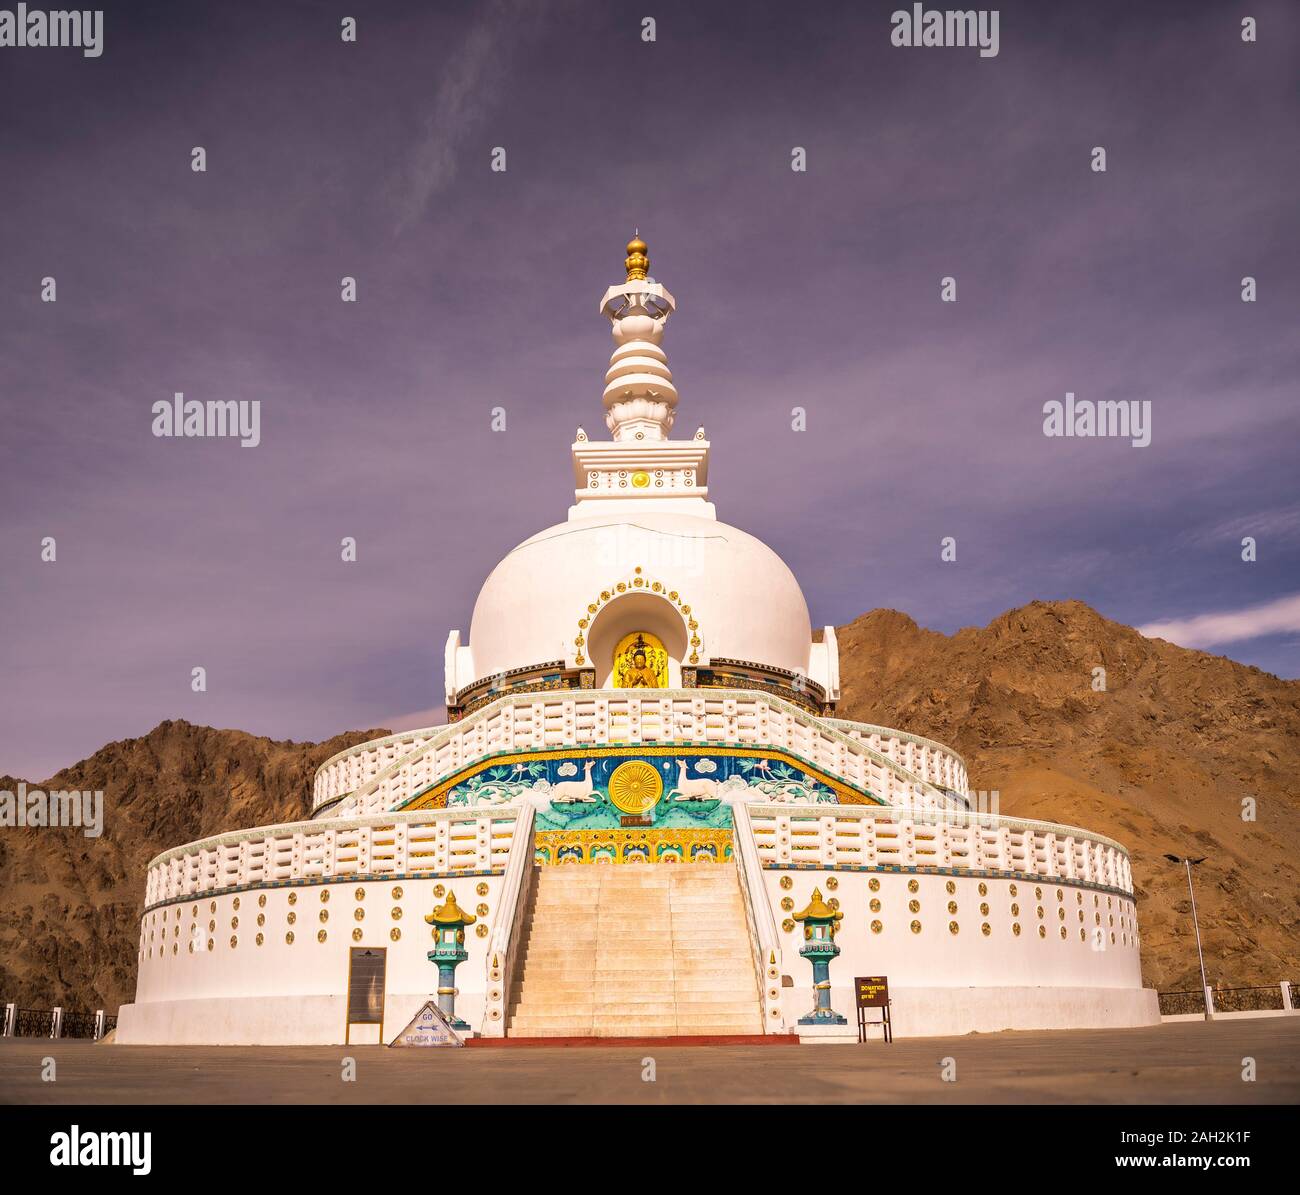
(449, 921)
(819, 948)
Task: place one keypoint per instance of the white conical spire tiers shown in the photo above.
(639, 393)
(640, 469)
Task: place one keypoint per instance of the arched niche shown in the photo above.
(631, 612)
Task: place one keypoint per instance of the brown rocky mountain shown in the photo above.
(1161, 760)
(71, 904)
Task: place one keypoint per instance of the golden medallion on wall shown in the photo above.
(635, 787)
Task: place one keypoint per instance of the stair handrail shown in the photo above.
(763, 940)
(504, 944)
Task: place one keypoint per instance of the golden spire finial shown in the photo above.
(638, 260)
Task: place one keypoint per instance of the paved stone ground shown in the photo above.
(1174, 1063)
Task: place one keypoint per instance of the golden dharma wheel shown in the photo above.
(635, 787)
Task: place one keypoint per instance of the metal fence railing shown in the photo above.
(1256, 999)
(34, 1022)
(79, 1024)
(54, 1023)
(1264, 998)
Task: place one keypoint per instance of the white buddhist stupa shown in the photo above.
(641, 818)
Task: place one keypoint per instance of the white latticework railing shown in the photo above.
(871, 836)
(430, 842)
(932, 761)
(383, 774)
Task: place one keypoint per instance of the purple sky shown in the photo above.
(479, 289)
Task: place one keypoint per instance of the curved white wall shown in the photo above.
(246, 937)
(1098, 949)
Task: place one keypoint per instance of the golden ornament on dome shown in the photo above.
(637, 260)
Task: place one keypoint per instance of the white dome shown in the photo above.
(745, 602)
(640, 555)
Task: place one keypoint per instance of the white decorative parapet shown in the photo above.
(349, 770)
(934, 762)
(383, 774)
(507, 934)
(431, 841)
(870, 836)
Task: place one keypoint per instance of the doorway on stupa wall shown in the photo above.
(614, 651)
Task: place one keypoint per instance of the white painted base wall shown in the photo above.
(917, 1012)
(267, 1020)
(951, 1012)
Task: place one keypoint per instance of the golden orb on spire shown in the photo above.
(638, 259)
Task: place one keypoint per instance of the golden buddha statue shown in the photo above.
(640, 662)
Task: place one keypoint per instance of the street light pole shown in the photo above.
(1196, 925)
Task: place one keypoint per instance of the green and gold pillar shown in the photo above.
(449, 921)
(819, 948)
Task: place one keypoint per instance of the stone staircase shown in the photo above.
(636, 950)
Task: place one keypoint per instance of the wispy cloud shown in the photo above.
(924, 419)
(464, 98)
(1229, 626)
(1279, 524)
